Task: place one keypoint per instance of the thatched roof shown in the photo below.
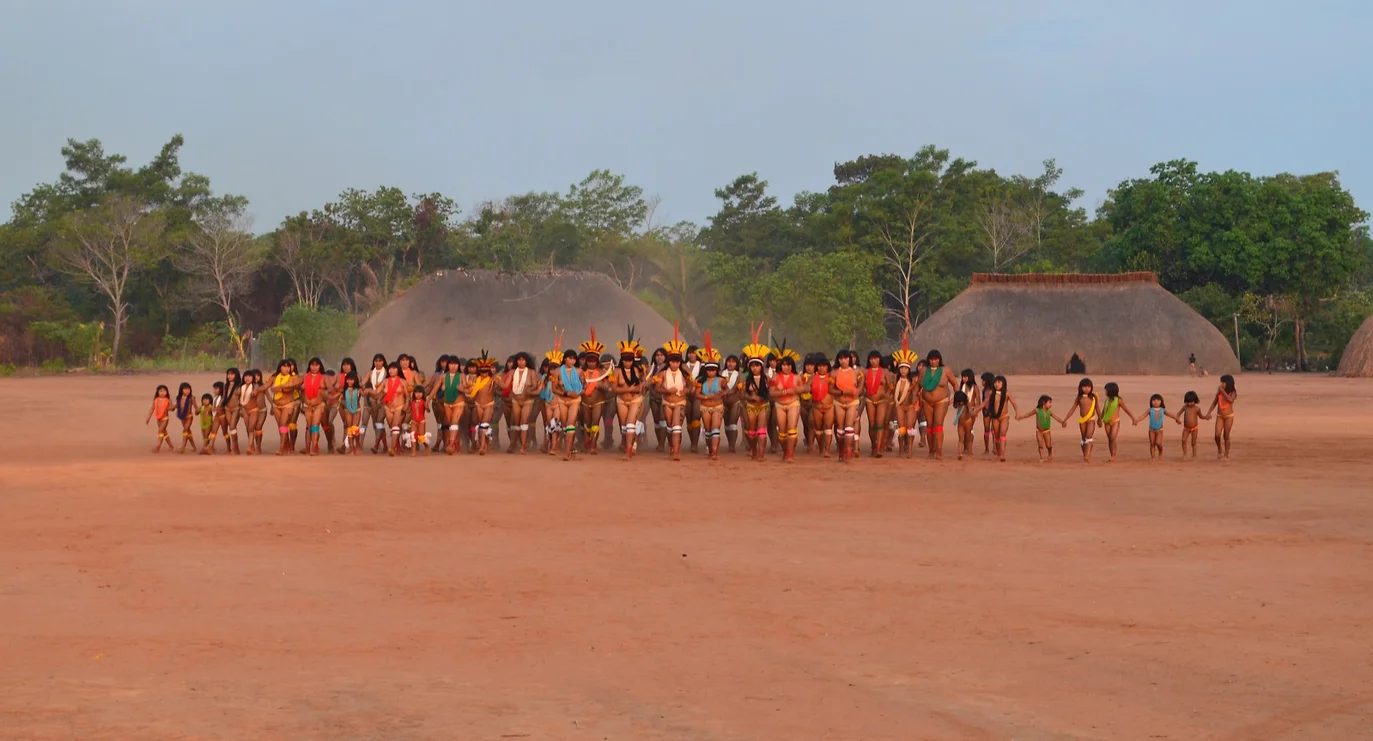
(464, 312)
(1357, 359)
(1120, 323)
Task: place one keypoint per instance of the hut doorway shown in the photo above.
(1076, 366)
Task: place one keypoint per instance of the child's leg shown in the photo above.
(1112, 431)
(1229, 424)
(162, 436)
(1002, 427)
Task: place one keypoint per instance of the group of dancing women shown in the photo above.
(768, 398)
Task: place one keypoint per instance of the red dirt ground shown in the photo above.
(172, 597)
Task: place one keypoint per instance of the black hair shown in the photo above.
(206, 397)
(1112, 390)
(874, 354)
(569, 354)
(231, 387)
(1228, 381)
(160, 388)
(959, 398)
(1191, 398)
(787, 361)
(352, 376)
(380, 357)
(1156, 396)
(987, 378)
(735, 358)
(997, 409)
(1091, 388)
(219, 385)
(329, 372)
(352, 366)
(254, 373)
(528, 360)
(967, 378)
(631, 374)
(758, 386)
(393, 365)
(822, 361)
(1044, 399)
(283, 363)
(184, 387)
(314, 361)
(441, 364)
(294, 366)
(418, 389)
(910, 372)
(934, 355)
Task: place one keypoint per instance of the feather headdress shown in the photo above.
(676, 346)
(782, 351)
(709, 355)
(630, 345)
(593, 346)
(556, 354)
(755, 350)
(905, 356)
(485, 361)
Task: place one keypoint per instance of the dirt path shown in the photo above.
(496, 598)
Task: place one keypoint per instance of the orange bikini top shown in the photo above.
(846, 379)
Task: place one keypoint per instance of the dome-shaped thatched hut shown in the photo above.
(1039, 324)
(1357, 359)
(466, 311)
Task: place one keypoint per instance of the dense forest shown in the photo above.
(147, 266)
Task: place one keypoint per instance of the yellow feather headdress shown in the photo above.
(593, 346)
(755, 350)
(556, 354)
(630, 345)
(485, 361)
(676, 346)
(905, 356)
(782, 351)
(709, 355)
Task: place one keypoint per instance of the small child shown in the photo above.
(207, 424)
(418, 406)
(1224, 406)
(1157, 411)
(1191, 413)
(162, 402)
(185, 411)
(962, 420)
(1044, 415)
(1111, 412)
(221, 426)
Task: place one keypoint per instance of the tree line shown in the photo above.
(112, 261)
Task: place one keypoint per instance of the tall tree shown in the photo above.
(104, 246)
(221, 257)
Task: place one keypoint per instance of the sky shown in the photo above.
(291, 102)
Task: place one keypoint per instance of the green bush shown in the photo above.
(82, 340)
(7, 369)
(190, 362)
(305, 332)
(54, 365)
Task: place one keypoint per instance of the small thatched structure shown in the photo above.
(1357, 359)
(464, 312)
(1039, 324)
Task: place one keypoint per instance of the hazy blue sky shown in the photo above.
(289, 102)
